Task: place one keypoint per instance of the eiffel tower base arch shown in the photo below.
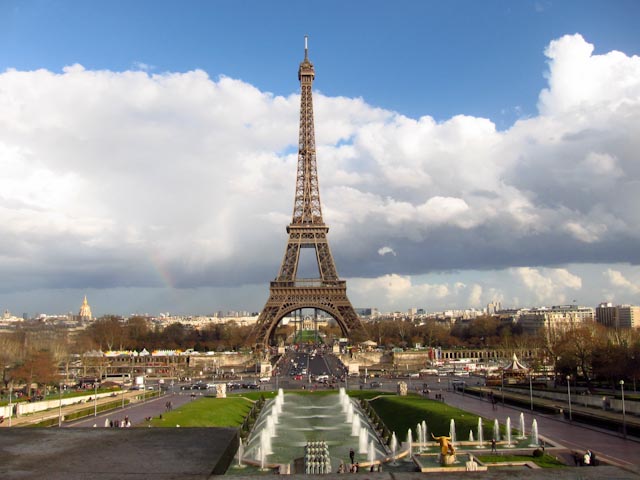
(286, 297)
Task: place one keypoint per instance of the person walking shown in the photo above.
(352, 455)
(493, 446)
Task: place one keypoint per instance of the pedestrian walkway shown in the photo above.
(608, 446)
(547, 405)
(65, 411)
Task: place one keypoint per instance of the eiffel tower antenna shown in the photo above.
(288, 293)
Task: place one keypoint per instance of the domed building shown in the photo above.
(85, 311)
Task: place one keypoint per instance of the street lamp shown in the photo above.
(502, 384)
(123, 390)
(624, 418)
(531, 390)
(95, 397)
(59, 405)
(10, 404)
(569, 394)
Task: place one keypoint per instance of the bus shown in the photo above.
(121, 378)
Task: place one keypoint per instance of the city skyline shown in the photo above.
(465, 155)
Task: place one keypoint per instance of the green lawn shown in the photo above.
(545, 461)
(55, 396)
(206, 412)
(401, 413)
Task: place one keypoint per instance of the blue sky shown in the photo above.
(468, 151)
(415, 57)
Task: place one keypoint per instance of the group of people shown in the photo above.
(125, 423)
(587, 459)
(354, 467)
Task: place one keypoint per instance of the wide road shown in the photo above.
(308, 368)
(136, 412)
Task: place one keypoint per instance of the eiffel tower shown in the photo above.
(288, 293)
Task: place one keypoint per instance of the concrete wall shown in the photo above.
(24, 408)
(5, 411)
(222, 360)
(595, 401)
(410, 360)
(364, 359)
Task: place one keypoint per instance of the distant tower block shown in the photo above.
(85, 310)
(288, 292)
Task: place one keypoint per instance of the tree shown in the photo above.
(39, 368)
(108, 333)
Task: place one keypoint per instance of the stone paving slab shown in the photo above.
(115, 453)
(500, 473)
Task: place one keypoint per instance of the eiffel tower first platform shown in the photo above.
(288, 293)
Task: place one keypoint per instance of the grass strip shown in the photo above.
(206, 412)
(402, 413)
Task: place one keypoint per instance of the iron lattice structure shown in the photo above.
(287, 293)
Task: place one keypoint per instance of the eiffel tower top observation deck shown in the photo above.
(306, 230)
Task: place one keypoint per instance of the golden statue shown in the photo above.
(446, 448)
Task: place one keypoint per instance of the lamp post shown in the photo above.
(123, 390)
(10, 404)
(95, 397)
(502, 385)
(624, 418)
(531, 390)
(569, 394)
(59, 405)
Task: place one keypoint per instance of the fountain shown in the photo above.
(350, 414)
(409, 444)
(522, 435)
(240, 454)
(480, 433)
(394, 446)
(496, 430)
(419, 438)
(262, 458)
(509, 432)
(452, 431)
(317, 459)
(371, 453)
(471, 436)
(424, 433)
(355, 426)
(278, 438)
(363, 443)
(265, 442)
(534, 433)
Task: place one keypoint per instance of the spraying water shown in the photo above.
(371, 452)
(419, 437)
(409, 444)
(480, 433)
(363, 443)
(240, 453)
(496, 430)
(471, 435)
(394, 446)
(509, 432)
(424, 433)
(452, 431)
(534, 433)
(355, 426)
(522, 433)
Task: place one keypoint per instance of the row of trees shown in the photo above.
(37, 354)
